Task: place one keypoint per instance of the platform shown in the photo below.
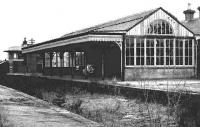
(172, 85)
(21, 110)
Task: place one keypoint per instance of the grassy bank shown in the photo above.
(112, 111)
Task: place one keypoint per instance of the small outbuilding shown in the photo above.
(15, 59)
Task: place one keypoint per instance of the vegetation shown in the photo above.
(118, 111)
(118, 106)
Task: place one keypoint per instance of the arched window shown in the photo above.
(159, 27)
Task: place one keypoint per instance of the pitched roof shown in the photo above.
(14, 49)
(193, 25)
(119, 25)
(116, 26)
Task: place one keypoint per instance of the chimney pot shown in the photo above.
(189, 6)
(24, 44)
(189, 13)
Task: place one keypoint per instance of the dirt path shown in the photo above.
(21, 110)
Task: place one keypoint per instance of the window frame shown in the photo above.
(66, 59)
(173, 54)
(80, 58)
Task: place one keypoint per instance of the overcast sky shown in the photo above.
(48, 19)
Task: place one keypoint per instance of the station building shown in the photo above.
(15, 59)
(148, 45)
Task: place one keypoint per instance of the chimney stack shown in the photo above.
(189, 13)
(199, 11)
(24, 44)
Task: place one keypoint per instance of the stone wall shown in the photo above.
(133, 73)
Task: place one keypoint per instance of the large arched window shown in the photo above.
(159, 27)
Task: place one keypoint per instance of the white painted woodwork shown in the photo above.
(178, 29)
(76, 40)
(145, 55)
(134, 51)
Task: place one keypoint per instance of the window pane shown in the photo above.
(186, 61)
(149, 52)
(132, 42)
(127, 42)
(177, 60)
(142, 60)
(132, 60)
(140, 51)
(138, 61)
(160, 52)
(190, 60)
(127, 61)
(132, 52)
(190, 52)
(127, 52)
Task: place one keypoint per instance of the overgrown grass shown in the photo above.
(3, 118)
(112, 111)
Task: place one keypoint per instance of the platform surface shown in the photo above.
(21, 110)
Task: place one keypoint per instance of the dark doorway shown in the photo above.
(106, 58)
(113, 62)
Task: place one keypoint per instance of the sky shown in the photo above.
(44, 20)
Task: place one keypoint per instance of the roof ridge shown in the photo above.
(119, 23)
(112, 22)
(127, 17)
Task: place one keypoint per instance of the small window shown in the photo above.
(80, 59)
(15, 55)
(66, 59)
